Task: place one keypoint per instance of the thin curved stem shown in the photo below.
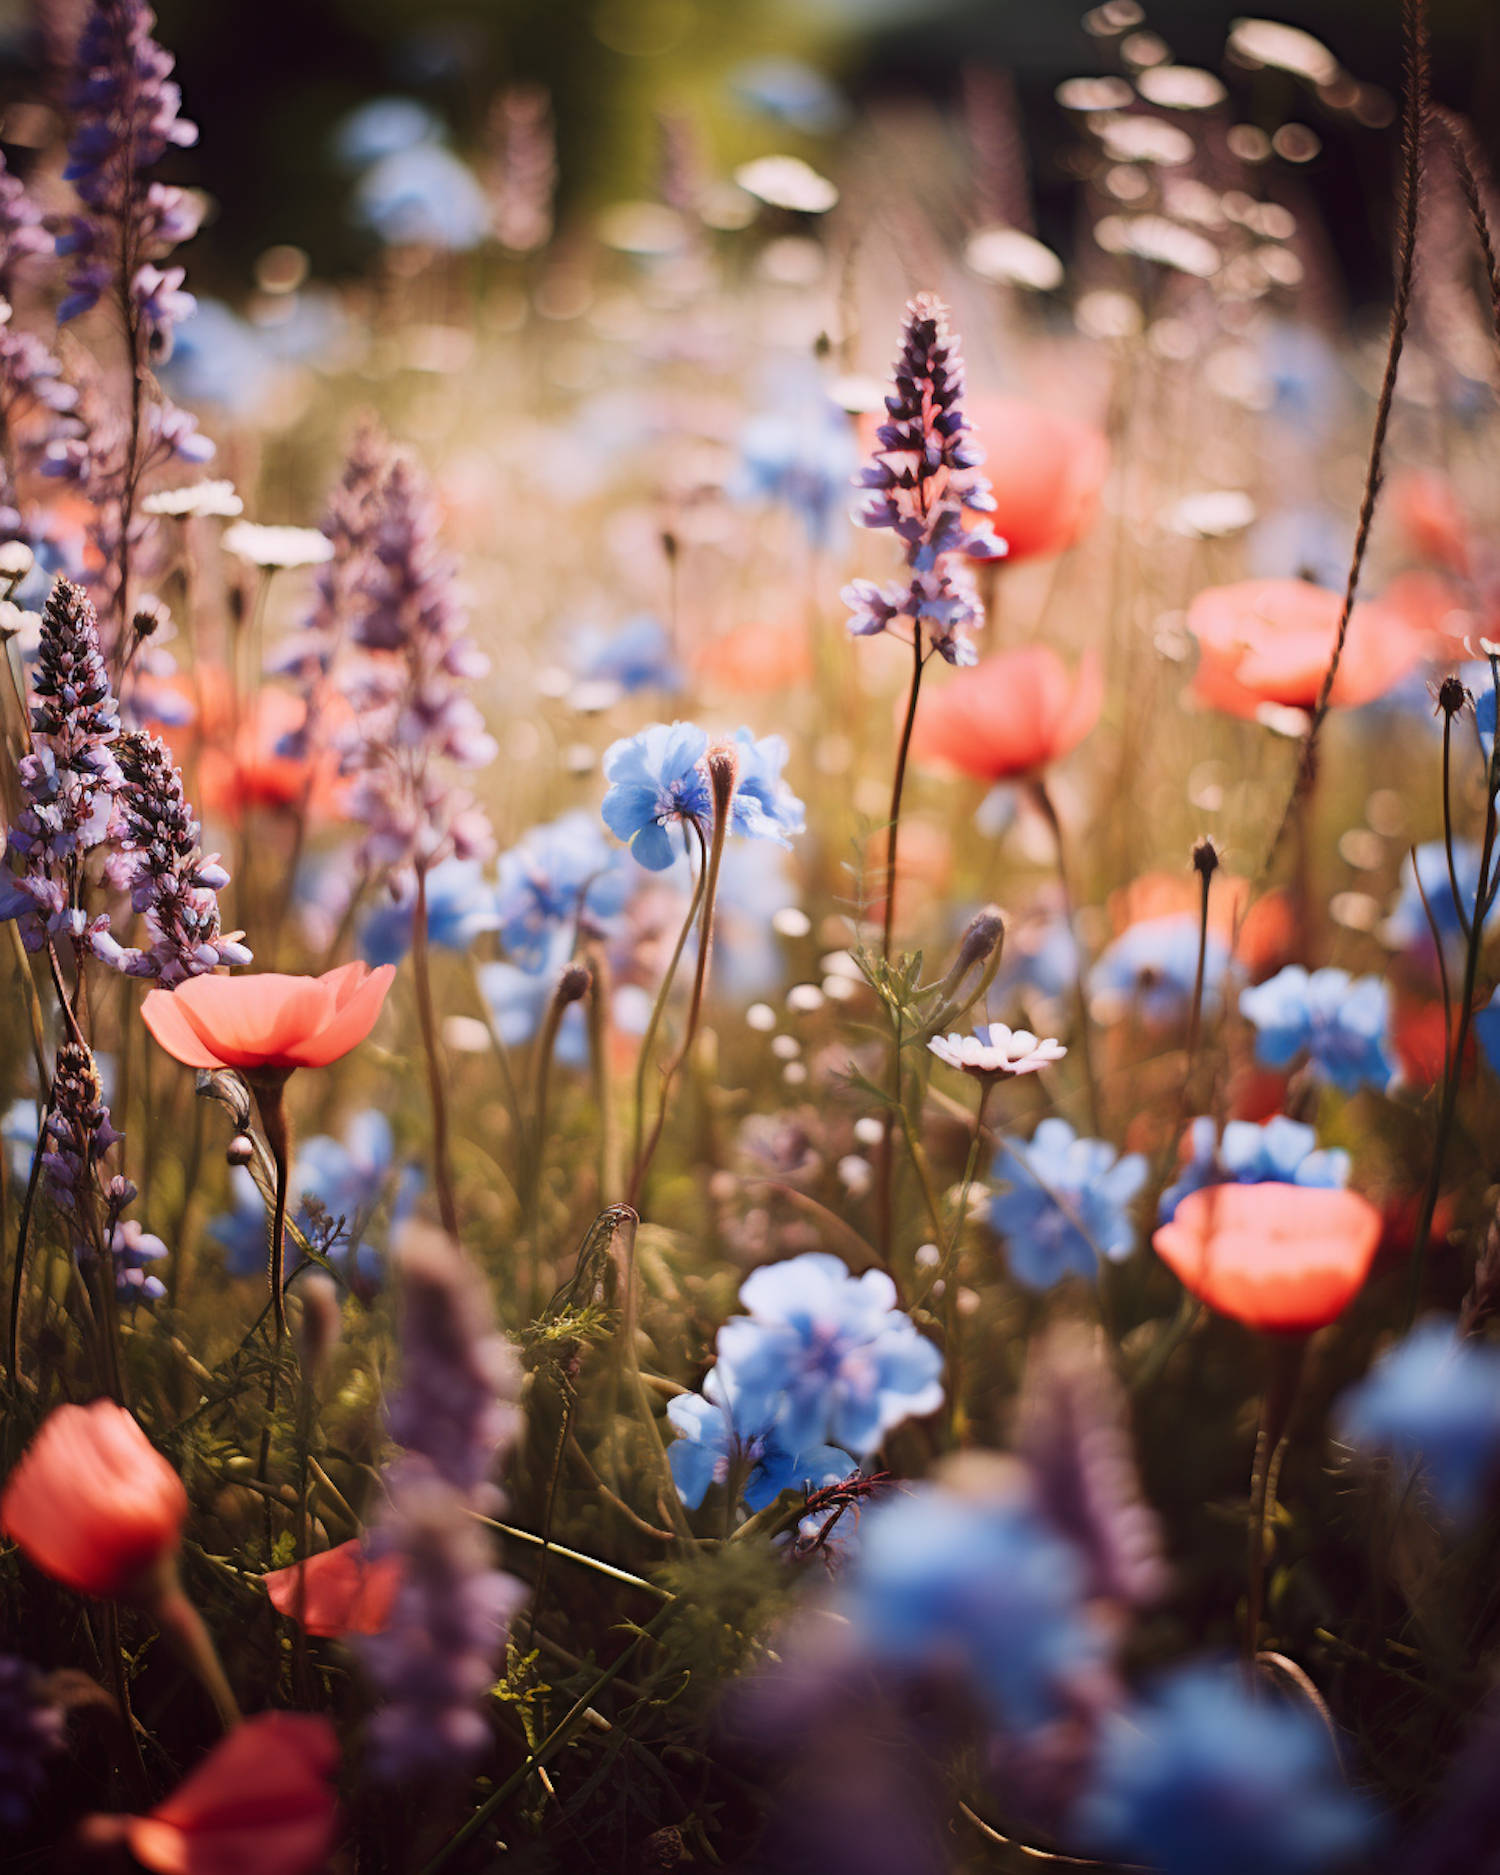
(441, 1167)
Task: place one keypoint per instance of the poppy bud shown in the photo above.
(240, 1150)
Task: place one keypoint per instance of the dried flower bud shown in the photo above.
(723, 765)
(1452, 696)
(574, 983)
(1205, 856)
(147, 621)
(984, 935)
(241, 1150)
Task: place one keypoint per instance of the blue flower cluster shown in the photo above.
(821, 1356)
(1340, 1023)
(1282, 1152)
(553, 877)
(1407, 928)
(1209, 1773)
(1433, 1403)
(1150, 971)
(1068, 1204)
(659, 779)
(460, 905)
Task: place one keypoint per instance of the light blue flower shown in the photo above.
(1212, 1777)
(1041, 954)
(1407, 928)
(218, 358)
(637, 656)
(1305, 542)
(1433, 1401)
(548, 878)
(422, 196)
(802, 457)
(18, 1130)
(1282, 1152)
(460, 905)
(712, 1436)
(984, 1587)
(659, 778)
(384, 127)
(1067, 1206)
(134, 1249)
(791, 91)
(824, 1355)
(1341, 1023)
(519, 999)
(1150, 970)
(1486, 1023)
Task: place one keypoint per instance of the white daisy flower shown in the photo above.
(278, 546)
(197, 498)
(995, 1049)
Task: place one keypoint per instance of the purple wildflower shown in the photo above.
(925, 473)
(454, 1414)
(414, 717)
(31, 1731)
(126, 118)
(69, 778)
(77, 1133)
(159, 861)
(522, 171)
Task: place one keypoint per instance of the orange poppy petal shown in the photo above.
(167, 1020)
(355, 1016)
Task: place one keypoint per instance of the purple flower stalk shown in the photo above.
(925, 473)
(159, 862)
(455, 1415)
(126, 118)
(31, 1731)
(415, 720)
(69, 778)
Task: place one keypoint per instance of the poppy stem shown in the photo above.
(1283, 1383)
(268, 1086)
(441, 1169)
(1085, 1040)
(183, 1629)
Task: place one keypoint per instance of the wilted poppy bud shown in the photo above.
(240, 1150)
(986, 930)
(723, 764)
(573, 984)
(93, 1503)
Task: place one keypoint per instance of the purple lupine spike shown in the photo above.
(923, 475)
(31, 1732)
(126, 116)
(159, 861)
(456, 1416)
(408, 691)
(522, 171)
(69, 778)
(1070, 1431)
(34, 396)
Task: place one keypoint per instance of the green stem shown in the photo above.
(442, 1170)
(658, 1008)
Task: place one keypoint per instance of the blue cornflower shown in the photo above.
(1282, 1152)
(518, 1001)
(19, 1127)
(638, 656)
(710, 1441)
(1341, 1023)
(1150, 970)
(659, 778)
(803, 458)
(823, 1354)
(460, 905)
(1212, 1775)
(384, 127)
(1407, 928)
(1433, 1401)
(423, 195)
(552, 875)
(1068, 1204)
(981, 1586)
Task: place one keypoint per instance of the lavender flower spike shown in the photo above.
(69, 778)
(159, 861)
(31, 1732)
(925, 473)
(455, 1415)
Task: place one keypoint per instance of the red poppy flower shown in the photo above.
(1434, 606)
(1429, 513)
(757, 658)
(1009, 716)
(1282, 1258)
(1046, 472)
(233, 748)
(92, 1502)
(1271, 641)
(261, 1803)
(267, 1021)
(340, 1591)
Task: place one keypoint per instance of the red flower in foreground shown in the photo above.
(92, 1502)
(1010, 715)
(267, 1021)
(340, 1591)
(1046, 472)
(261, 1803)
(1271, 641)
(1282, 1258)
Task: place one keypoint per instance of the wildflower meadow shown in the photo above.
(749, 1032)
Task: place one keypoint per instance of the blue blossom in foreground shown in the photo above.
(1067, 1206)
(31, 1731)
(459, 907)
(1407, 928)
(823, 1355)
(710, 1443)
(1283, 1151)
(1341, 1023)
(978, 1587)
(1433, 1401)
(659, 778)
(1150, 970)
(1210, 1777)
(553, 876)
